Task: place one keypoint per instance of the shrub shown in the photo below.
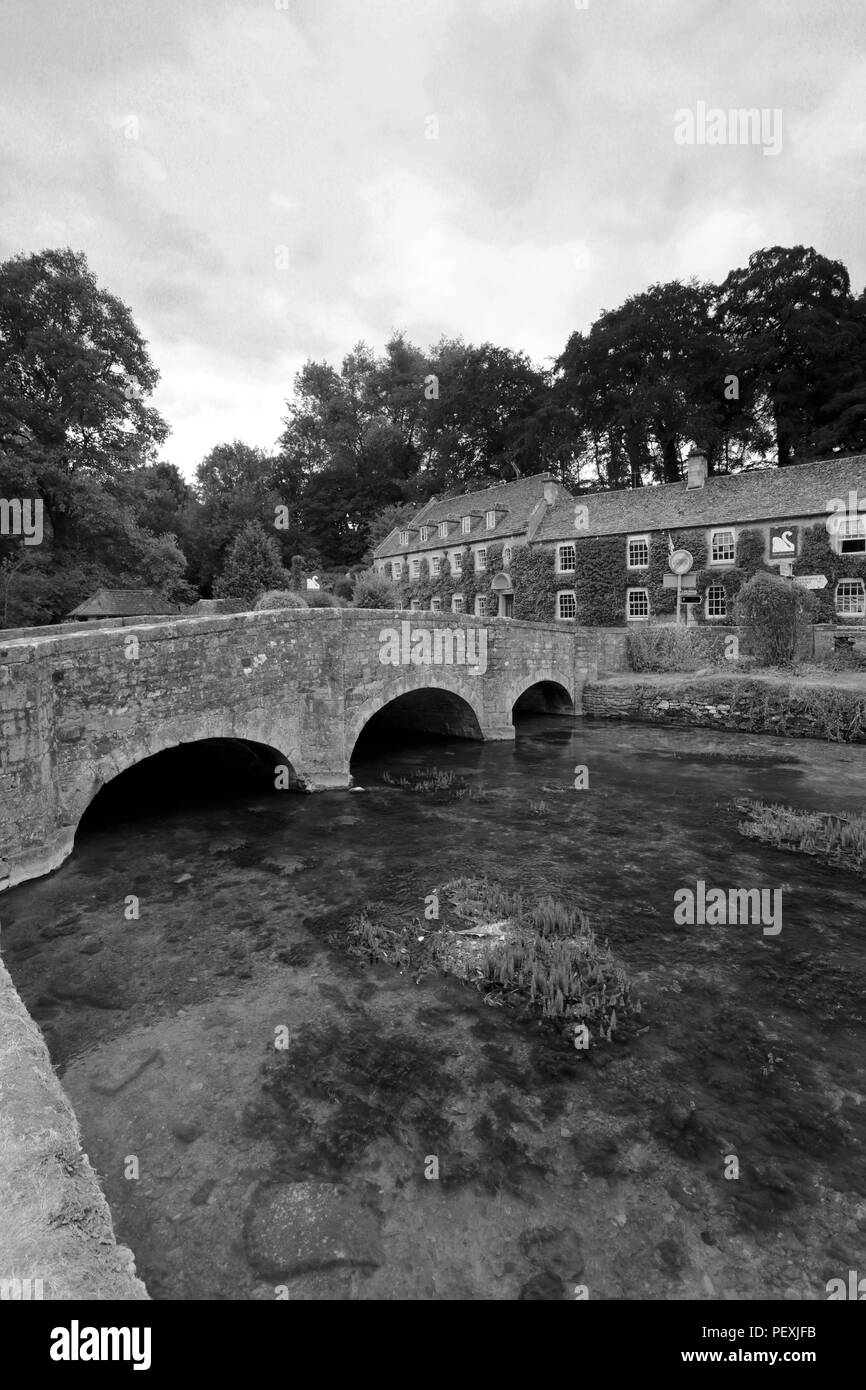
(320, 598)
(280, 598)
(674, 648)
(344, 588)
(252, 565)
(373, 590)
(777, 613)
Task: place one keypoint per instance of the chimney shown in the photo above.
(696, 469)
(550, 494)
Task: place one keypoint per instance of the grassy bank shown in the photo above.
(837, 840)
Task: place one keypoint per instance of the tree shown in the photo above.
(253, 565)
(788, 315)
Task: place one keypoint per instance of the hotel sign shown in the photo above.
(784, 542)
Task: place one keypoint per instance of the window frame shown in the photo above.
(466, 525)
(397, 569)
(423, 532)
(457, 562)
(506, 555)
(443, 530)
(435, 565)
(481, 606)
(716, 617)
(722, 531)
(560, 595)
(638, 538)
(458, 598)
(491, 525)
(636, 617)
(844, 539)
(404, 537)
(566, 569)
(435, 604)
(481, 566)
(860, 588)
(415, 567)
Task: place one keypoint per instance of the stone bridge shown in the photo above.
(79, 706)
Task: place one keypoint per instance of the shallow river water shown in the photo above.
(557, 1170)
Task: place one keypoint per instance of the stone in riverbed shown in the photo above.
(187, 1133)
(109, 1080)
(295, 1227)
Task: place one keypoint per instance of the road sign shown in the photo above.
(688, 582)
(680, 561)
(811, 581)
(690, 597)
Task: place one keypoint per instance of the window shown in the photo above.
(491, 521)
(415, 568)
(404, 537)
(481, 606)
(722, 548)
(436, 604)
(566, 604)
(566, 559)
(414, 605)
(397, 568)
(637, 603)
(852, 535)
(506, 555)
(850, 598)
(467, 525)
(457, 563)
(638, 552)
(443, 528)
(435, 564)
(423, 533)
(717, 601)
(457, 603)
(481, 559)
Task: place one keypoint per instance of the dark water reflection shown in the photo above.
(753, 1046)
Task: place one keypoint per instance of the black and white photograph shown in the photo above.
(433, 668)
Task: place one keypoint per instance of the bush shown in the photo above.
(674, 648)
(344, 588)
(373, 590)
(777, 613)
(320, 598)
(280, 598)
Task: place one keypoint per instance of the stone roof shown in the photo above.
(765, 494)
(517, 501)
(124, 603)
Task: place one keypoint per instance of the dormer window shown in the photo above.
(467, 525)
(443, 530)
(491, 521)
(425, 531)
(404, 537)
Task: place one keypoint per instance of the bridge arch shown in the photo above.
(551, 692)
(433, 705)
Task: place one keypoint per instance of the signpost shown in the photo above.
(811, 581)
(680, 562)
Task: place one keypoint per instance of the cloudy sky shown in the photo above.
(258, 181)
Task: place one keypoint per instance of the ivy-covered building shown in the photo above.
(458, 554)
(607, 552)
(530, 549)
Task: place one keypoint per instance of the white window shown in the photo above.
(481, 559)
(397, 568)
(480, 606)
(467, 525)
(415, 568)
(404, 537)
(436, 604)
(414, 605)
(717, 601)
(850, 598)
(637, 605)
(506, 555)
(457, 562)
(566, 604)
(722, 548)
(443, 528)
(852, 535)
(638, 552)
(457, 603)
(491, 521)
(424, 533)
(566, 559)
(436, 564)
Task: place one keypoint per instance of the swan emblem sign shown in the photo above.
(783, 542)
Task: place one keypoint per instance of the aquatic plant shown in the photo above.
(430, 779)
(836, 839)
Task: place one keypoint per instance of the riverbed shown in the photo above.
(188, 966)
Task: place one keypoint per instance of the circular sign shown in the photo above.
(680, 561)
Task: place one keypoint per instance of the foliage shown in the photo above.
(839, 840)
(672, 648)
(777, 614)
(534, 579)
(373, 590)
(252, 566)
(320, 598)
(431, 779)
(817, 556)
(280, 598)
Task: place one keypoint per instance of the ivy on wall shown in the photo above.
(470, 583)
(818, 557)
(534, 582)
